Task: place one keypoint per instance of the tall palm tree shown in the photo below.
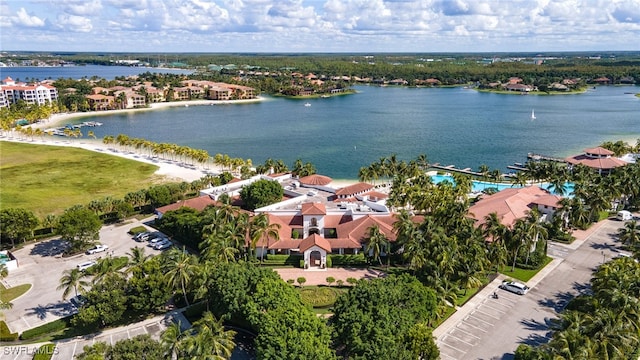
(376, 243)
(179, 270)
(72, 279)
(172, 340)
(211, 341)
(137, 258)
(261, 229)
(630, 233)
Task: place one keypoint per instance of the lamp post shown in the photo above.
(604, 257)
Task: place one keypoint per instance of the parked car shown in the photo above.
(85, 265)
(515, 287)
(96, 249)
(156, 240)
(624, 215)
(143, 236)
(78, 300)
(165, 244)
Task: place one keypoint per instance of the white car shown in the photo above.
(156, 240)
(96, 249)
(515, 287)
(164, 244)
(143, 236)
(85, 265)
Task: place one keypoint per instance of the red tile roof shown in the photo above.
(509, 204)
(315, 240)
(315, 179)
(198, 203)
(313, 209)
(354, 189)
(596, 163)
(599, 150)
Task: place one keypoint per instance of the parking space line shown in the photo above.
(493, 308)
(473, 326)
(489, 315)
(75, 345)
(452, 347)
(476, 318)
(466, 332)
(457, 338)
(447, 356)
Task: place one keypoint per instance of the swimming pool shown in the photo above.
(478, 185)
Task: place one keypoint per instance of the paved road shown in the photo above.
(41, 264)
(488, 328)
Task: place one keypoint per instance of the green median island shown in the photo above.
(48, 179)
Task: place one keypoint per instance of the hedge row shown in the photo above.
(342, 260)
(137, 230)
(51, 327)
(5, 334)
(282, 260)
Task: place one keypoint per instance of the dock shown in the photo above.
(538, 157)
(452, 168)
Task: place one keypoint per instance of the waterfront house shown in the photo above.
(99, 102)
(598, 159)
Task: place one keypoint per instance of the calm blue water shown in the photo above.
(483, 185)
(24, 73)
(341, 134)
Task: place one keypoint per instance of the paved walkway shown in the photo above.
(319, 276)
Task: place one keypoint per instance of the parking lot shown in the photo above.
(488, 328)
(41, 265)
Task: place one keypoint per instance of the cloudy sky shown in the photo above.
(319, 25)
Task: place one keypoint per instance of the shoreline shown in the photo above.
(168, 168)
(58, 119)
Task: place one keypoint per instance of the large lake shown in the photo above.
(340, 134)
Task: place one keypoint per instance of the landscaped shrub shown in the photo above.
(137, 230)
(5, 335)
(301, 264)
(329, 262)
(318, 297)
(347, 260)
(45, 352)
(282, 260)
(50, 327)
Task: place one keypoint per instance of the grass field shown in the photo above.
(7, 295)
(48, 179)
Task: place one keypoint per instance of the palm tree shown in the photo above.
(172, 340)
(137, 258)
(72, 279)
(211, 341)
(261, 229)
(630, 233)
(179, 270)
(376, 243)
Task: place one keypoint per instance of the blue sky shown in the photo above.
(319, 25)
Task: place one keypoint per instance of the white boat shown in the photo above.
(533, 115)
(307, 104)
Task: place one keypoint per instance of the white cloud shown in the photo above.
(326, 25)
(81, 7)
(74, 23)
(22, 18)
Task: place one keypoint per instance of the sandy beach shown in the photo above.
(60, 119)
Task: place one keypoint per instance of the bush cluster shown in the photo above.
(318, 297)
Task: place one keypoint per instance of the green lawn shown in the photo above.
(523, 274)
(8, 295)
(48, 179)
